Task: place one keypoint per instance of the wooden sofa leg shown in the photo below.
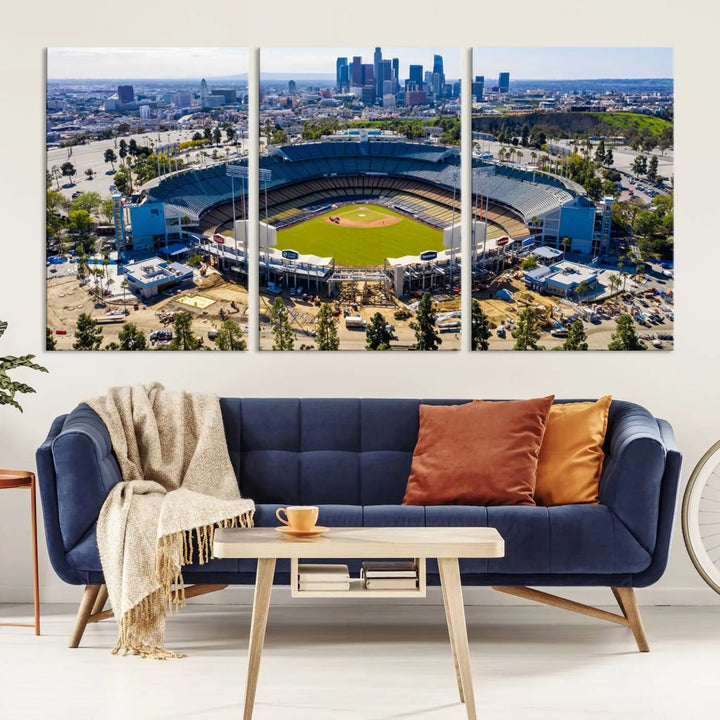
(628, 604)
(100, 601)
(86, 605)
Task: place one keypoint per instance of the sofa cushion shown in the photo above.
(478, 454)
(571, 457)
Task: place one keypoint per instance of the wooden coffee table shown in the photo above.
(446, 544)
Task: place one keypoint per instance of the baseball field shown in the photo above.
(360, 235)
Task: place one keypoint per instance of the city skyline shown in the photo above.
(322, 60)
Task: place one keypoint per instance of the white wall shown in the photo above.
(681, 386)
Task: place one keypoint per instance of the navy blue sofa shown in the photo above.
(352, 457)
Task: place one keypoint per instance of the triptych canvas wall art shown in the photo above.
(360, 243)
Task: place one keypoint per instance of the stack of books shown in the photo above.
(323, 577)
(389, 574)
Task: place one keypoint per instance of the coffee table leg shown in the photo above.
(455, 609)
(261, 605)
(451, 633)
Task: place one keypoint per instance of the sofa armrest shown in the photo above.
(85, 469)
(635, 457)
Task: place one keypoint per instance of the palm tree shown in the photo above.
(533, 156)
(519, 154)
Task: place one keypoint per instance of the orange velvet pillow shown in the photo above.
(571, 456)
(477, 453)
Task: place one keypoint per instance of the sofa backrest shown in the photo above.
(323, 451)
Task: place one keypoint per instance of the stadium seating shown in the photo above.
(423, 179)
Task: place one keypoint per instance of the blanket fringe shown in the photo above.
(145, 619)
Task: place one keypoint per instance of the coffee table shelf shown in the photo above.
(357, 586)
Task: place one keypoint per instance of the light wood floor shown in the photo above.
(374, 661)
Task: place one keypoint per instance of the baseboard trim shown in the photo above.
(243, 595)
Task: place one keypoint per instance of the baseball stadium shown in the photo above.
(376, 207)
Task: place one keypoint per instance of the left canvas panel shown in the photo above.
(146, 183)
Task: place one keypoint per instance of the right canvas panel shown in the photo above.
(572, 199)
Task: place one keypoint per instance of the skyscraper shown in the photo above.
(126, 94)
(357, 71)
(396, 73)
(204, 92)
(377, 69)
(478, 88)
(292, 87)
(341, 73)
(438, 65)
(504, 82)
(416, 75)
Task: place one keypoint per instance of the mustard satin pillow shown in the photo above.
(571, 456)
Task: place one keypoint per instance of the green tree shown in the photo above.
(110, 157)
(652, 168)
(426, 336)
(106, 210)
(282, 331)
(377, 335)
(50, 342)
(217, 135)
(639, 166)
(183, 336)
(133, 147)
(80, 221)
(646, 223)
(122, 150)
(326, 337)
(230, 133)
(88, 336)
(123, 182)
(89, 173)
(609, 159)
(529, 263)
(230, 336)
(207, 134)
(54, 221)
(90, 201)
(480, 328)
(625, 337)
(600, 152)
(528, 334)
(132, 338)
(197, 136)
(68, 170)
(524, 135)
(576, 339)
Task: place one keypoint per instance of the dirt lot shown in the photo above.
(67, 299)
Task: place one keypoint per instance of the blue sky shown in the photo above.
(573, 63)
(520, 62)
(136, 63)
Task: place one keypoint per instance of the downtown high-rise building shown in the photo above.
(204, 92)
(396, 73)
(126, 94)
(378, 71)
(356, 76)
(478, 87)
(416, 76)
(342, 78)
(504, 82)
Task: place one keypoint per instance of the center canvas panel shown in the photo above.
(359, 199)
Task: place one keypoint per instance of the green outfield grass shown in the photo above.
(360, 246)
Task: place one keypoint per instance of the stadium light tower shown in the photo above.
(235, 170)
(265, 176)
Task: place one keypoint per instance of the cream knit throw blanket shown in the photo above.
(178, 484)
